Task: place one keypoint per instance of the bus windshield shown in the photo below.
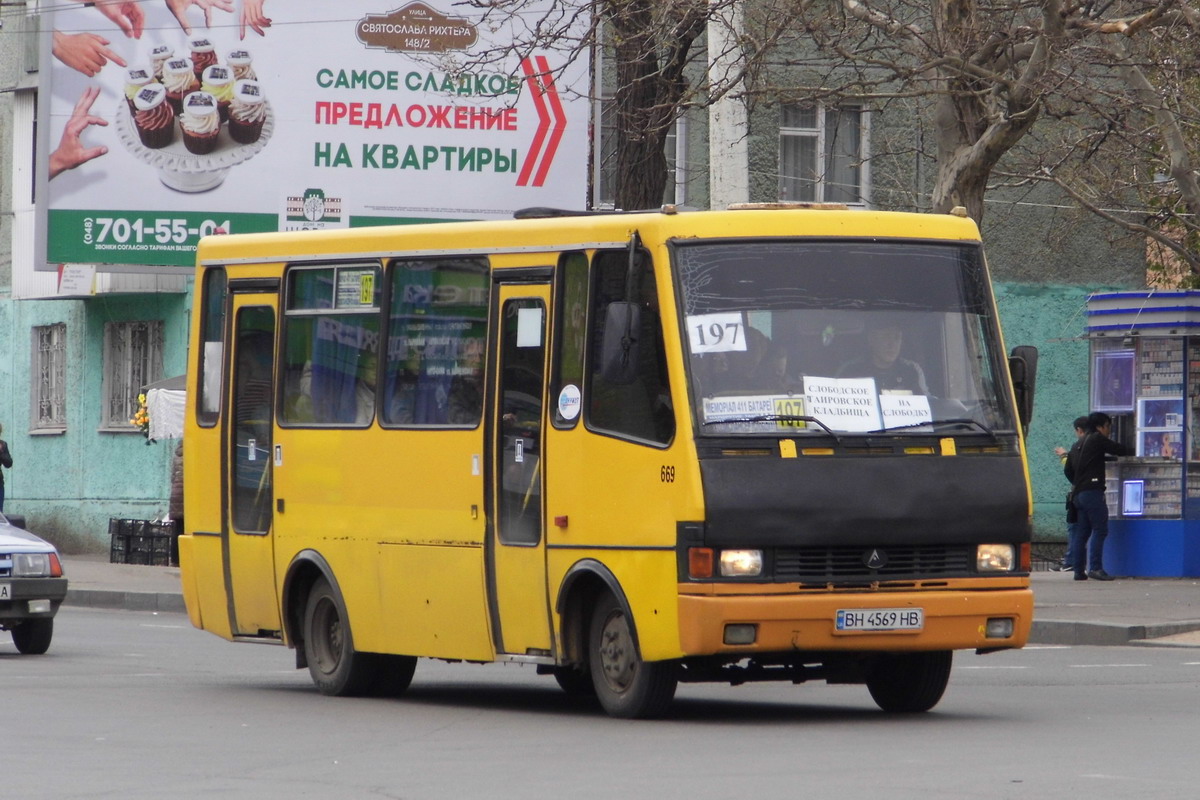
(804, 337)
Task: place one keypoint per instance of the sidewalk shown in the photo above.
(1145, 611)
(94, 582)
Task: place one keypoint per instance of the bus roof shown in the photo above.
(581, 231)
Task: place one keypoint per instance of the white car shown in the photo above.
(32, 587)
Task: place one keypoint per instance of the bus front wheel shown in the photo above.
(626, 686)
(909, 683)
(334, 665)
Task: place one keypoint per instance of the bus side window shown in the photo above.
(640, 409)
(436, 337)
(571, 303)
(331, 338)
(212, 335)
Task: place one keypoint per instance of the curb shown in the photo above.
(128, 601)
(1065, 632)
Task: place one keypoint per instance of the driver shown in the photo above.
(883, 362)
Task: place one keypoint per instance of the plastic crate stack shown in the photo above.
(143, 541)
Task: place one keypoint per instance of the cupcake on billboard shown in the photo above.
(154, 118)
(135, 78)
(218, 81)
(180, 79)
(159, 56)
(201, 123)
(247, 112)
(204, 55)
(242, 65)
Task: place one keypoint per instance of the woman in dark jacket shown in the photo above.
(1085, 470)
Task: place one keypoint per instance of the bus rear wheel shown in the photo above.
(626, 686)
(909, 683)
(336, 668)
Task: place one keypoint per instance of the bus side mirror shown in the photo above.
(619, 351)
(1022, 365)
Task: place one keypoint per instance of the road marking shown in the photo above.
(1105, 666)
(1047, 647)
(1005, 666)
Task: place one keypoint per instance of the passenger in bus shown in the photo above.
(883, 362)
(736, 371)
(771, 375)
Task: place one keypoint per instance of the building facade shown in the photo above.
(77, 347)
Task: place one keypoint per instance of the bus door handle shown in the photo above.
(279, 505)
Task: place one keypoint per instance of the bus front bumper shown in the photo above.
(950, 620)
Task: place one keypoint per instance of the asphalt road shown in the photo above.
(137, 705)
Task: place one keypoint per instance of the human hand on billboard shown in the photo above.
(252, 15)
(71, 151)
(85, 52)
(180, 8)
(126, 15)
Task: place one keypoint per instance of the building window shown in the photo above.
(49, 378)
(132, 359)
(606, 159)
(821, 156)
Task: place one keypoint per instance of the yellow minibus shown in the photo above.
(630, 450)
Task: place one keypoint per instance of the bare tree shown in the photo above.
(658, 70)
(989, 70)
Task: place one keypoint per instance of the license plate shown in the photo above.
(5, 591)
(880, 619)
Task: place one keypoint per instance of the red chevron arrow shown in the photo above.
(552, 121)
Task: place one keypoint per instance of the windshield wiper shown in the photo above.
(777, 418)
(950, 421)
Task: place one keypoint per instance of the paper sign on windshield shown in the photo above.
(716, 333)
(843, 404)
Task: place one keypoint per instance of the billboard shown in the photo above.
(277, 115)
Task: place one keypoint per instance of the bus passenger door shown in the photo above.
(246, 533)
(517, 578)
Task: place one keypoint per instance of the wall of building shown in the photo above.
(69, 484)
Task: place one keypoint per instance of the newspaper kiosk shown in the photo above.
(1145, 373)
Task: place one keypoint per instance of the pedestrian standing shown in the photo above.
(1068, 559)
(1085, 470)
(6, 462)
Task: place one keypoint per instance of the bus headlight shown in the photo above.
(741, 563)
(995, 558)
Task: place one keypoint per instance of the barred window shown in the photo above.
(132, 359)
(821, 154)
(49, 378)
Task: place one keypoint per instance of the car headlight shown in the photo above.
(31, 565)
(741, 563)
(995, 558)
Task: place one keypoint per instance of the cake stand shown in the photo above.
(184, 171)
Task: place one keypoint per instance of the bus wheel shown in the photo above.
(335, 667)
(395, 673)
(626, 686)
(909, 683)
(575, 681)
(32, 637)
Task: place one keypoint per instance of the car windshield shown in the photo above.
(804, 337)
